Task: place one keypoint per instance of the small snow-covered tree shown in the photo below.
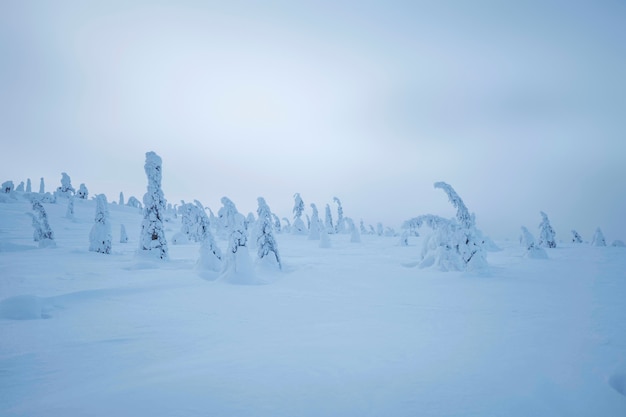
(210, 261)
(69, 213)
(191, 222)
(277, 226)
(238, 267)
(265, 240)
(20, 187)
(66, 189)
(29, 188)
(340, 227)
(82, 192)
(576, 237)
(598, 238)
(372, 231)
(355, 236)
(328, 221)
(362, 228)
(134, 202)
(123, 234)
(152, 239)
(100, 236)
(533, 250)
(287, 226)
(7, 187)
(45, 234)
(42, 187)
(227, 217)
(298, 227)
(547, 237)
(379, 229)
(121, 200)
(314, 230)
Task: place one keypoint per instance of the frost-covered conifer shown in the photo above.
(287, 227)
(547, 237)
(533, 250)
(192, 217)
(355, 236)
(324, 238)
(238, 266)
(456, 244)
(314, 230)
(379, 229)
(82, 192)
(598, 238)
(362, 228)
(66, 189)
(100, 236)
(69, 213)
(404, 238)
(210, 261)
(372, 231)
(28, 186)
(298, 227)
(121, 200)
(42, 187)
(265, 240)
(308, 221)
(576, 237)
(7, 187)
(134, 202)
(123, 234)
(20, 187)
(37, 230)
(227, 217)
(44, 234)
(340, 227)
(277, 226)
(328, 221)
(152, 239)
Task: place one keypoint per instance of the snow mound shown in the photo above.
(23, 307)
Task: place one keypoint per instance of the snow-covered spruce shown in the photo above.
(380, 230)
(340, 227)
(314, 230)
(328, 221)
(7, 187)
(237, 267)
(226, 216)
(29, 188)
(547, 236)
(355, 236)
(287, 226)
(210, 261)
(277, 226)
(532, 250)
(191, 222)
(43, 232)
(265, 240)
(121, 200)
(69, 213)
(42, 186)
(324, 238)
(82, 192)
(100, 237)
(123, 234)
(576, 237)
(362, 228)
(598, 238)
(20, 187)
(298, 227)
(152, 238)
(66, 189)
(456, 244)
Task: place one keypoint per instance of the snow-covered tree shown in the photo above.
(121, 200)
(66, 189)
(20, 187)
(533, 250)
(42, 187)
(314, 230)
(576, 237)
(362, 228)
(210, 261)
(44, 232)
(123, 234)
(298, 227)
(547, 237)
(324, 238)
(29, 188)
(134, 202)
(265, 240)
(456, 244)
(69, 213)
(227, 217)
(328, 221)
(404, 238)
(372, 231)
(340, 227)
(152, 239)
(100, 237)
(598, 238)
(287, 226)
(192, 218)
(82, 192)
(355, 236)
(7, 187)
(238, 267)
(379, 229)
(277, 226)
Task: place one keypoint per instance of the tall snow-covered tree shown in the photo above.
(29, 188)
(598, 238)
(152, 239)
(533, 250)
(265, 241)
(328, 221)
(42, 187)
(66, 189)
(238, 267)
(576, 237)
(340, 227)
(298, 227)
(100, 237)
(355, 236)
(227, 216)
(547, 237)
(121, 200)
(210, 260)
(45, 234)
(123, 234)
(82, 192)
(314, 230)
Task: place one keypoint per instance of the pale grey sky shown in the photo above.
(521, 106)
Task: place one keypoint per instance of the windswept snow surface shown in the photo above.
(353, 330)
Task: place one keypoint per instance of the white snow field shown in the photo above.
(352, 330)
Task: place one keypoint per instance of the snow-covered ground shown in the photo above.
(352, 330)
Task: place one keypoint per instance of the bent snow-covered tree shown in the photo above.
(340, 227)
(533, 250)
(100, 236)
(456, 244)
(298, 227)
(152, 239)
(598, 238)
(328, 220)
(265, 240)
(547, 237)
(210, 261)
(42, 227)
(355, 236)
(576, 237)
(238, 267)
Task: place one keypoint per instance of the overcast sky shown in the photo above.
(520, 106)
